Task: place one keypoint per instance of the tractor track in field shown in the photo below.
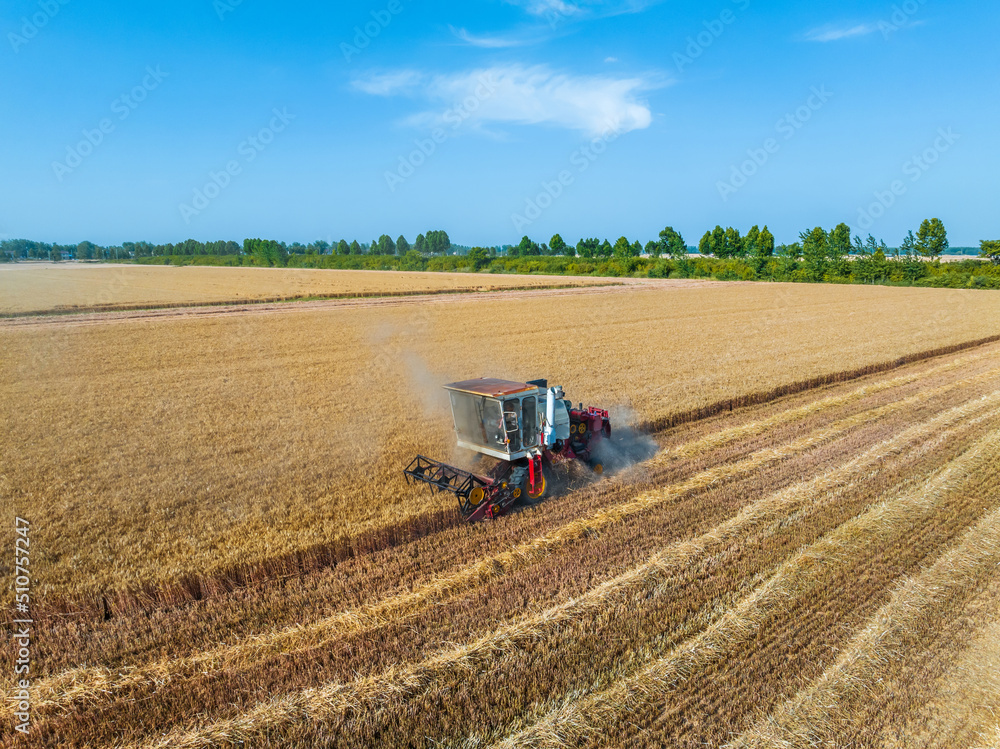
(601, 530)
(206, 310)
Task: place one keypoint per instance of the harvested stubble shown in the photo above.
(594, 715)
(955, 696)
(829, 705)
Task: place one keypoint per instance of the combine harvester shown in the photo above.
(528, 428)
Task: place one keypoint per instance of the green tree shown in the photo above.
(86, 250)
(588, 248)
(705, 244)
(734, 242)
(384, 246)
(526, 247)
(266, 252)
(480, 257)
(420, 243)
(909, 245)
(356, 248)
(871, 245)
(402, 246)
(605, 250)
(815, 251)
(765, 244)
(672, 243)
(652, 248)
(557, 245)
(839, 243)
(751, 241)
(622, 248)
(343, 248)
(719, 242)
(437, 242)
(792, 251)
(990, 249)
(932, 239)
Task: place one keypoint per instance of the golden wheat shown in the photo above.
(742, 431)
(159, 458)
(32, 288)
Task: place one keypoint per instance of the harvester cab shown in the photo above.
(532, 432)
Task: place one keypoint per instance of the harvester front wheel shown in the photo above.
(541, 486)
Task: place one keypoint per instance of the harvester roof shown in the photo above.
(490, 387)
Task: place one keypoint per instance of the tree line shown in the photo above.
(873, 268)
(434, 242)
(821, 254)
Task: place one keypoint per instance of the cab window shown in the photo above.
(512, 418)
(529, 422)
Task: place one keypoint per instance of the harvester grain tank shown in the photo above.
(531, 431)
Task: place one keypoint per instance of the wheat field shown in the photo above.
(229, 555)
(38, 287)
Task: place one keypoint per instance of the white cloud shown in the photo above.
(486, 42)
(547, 7)
(536, 95)
(387, 84)
(833, 34)
(610, 59)
(593, 8)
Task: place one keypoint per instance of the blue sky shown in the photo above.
(492, 119)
